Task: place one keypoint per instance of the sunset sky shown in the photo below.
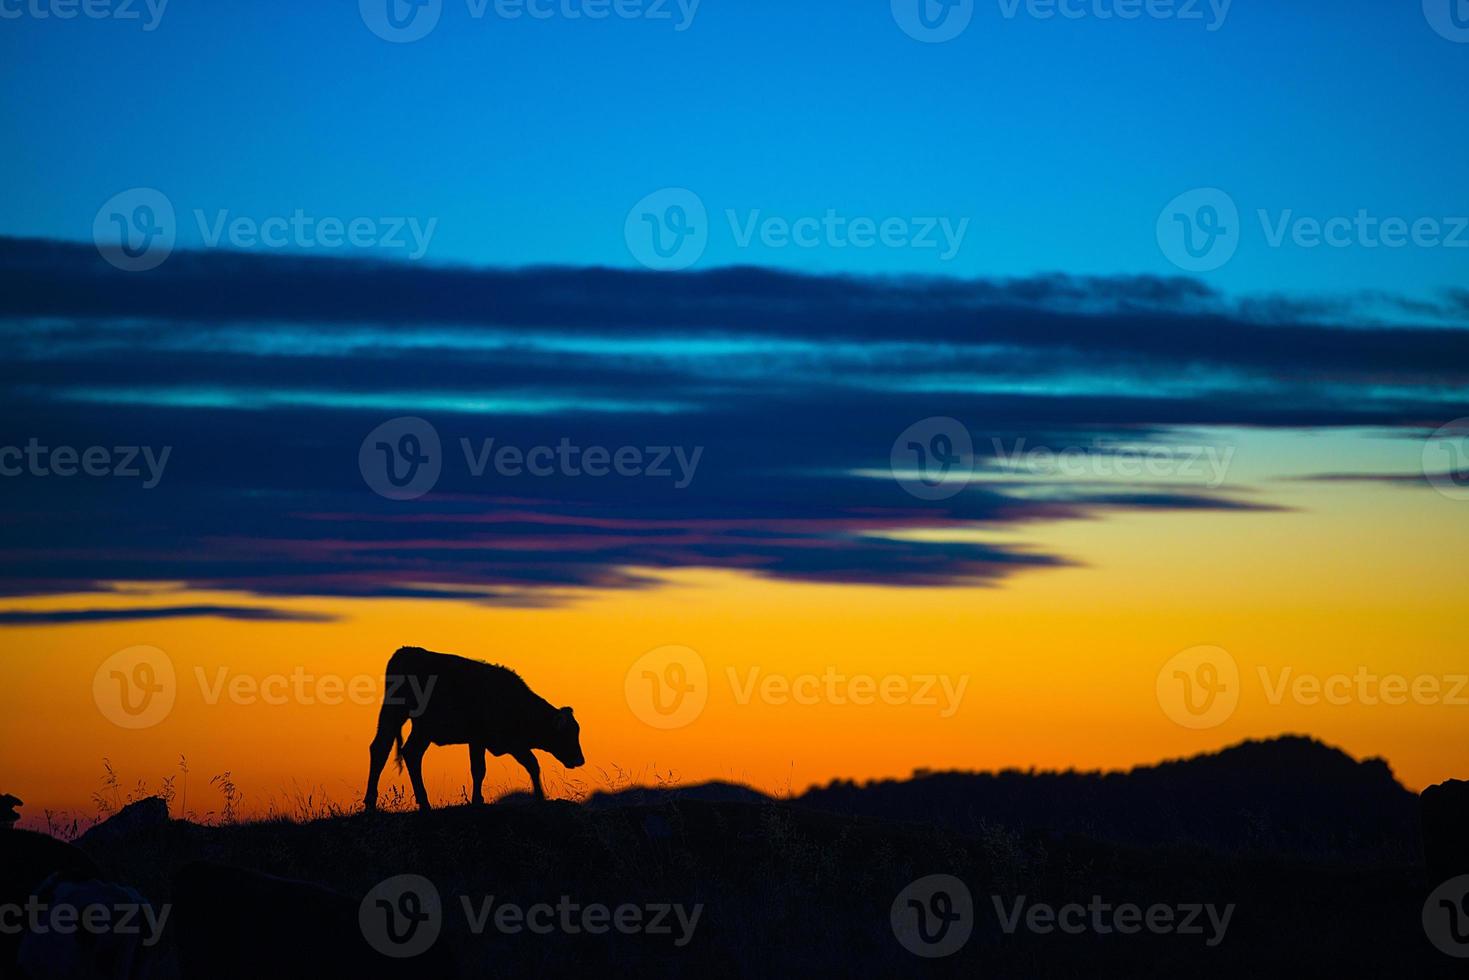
(1260, 449)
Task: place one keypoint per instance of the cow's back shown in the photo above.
(463, 700)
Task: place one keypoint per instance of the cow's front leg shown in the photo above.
(477, 771)
(528, 759)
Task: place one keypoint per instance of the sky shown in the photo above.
(1002, 361)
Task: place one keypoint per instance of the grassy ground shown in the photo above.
(786, 890)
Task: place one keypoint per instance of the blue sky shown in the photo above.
(1058, 140)
(521, 148)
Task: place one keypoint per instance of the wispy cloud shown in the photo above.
(50, 617)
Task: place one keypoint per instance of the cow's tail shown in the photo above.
(398, 748)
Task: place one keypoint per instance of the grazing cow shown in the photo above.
(455, 701)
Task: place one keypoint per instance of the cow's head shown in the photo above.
(565, 740)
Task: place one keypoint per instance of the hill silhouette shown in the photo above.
(1312, 853)
(1291, 795)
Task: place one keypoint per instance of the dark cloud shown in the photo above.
(49, 617)
(263, 374)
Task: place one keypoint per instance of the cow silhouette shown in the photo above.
(456, 701)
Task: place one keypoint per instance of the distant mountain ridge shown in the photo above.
(1287, 795)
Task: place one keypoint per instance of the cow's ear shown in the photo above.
(563, 718)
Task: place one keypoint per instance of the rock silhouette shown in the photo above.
(8, 816)
(1445, 813)
(151, 811)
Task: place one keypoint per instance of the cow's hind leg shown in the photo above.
(477, 771)
(389, 728)
(533, 767)
(413, 751)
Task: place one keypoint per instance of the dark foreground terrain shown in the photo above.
(691, 886)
